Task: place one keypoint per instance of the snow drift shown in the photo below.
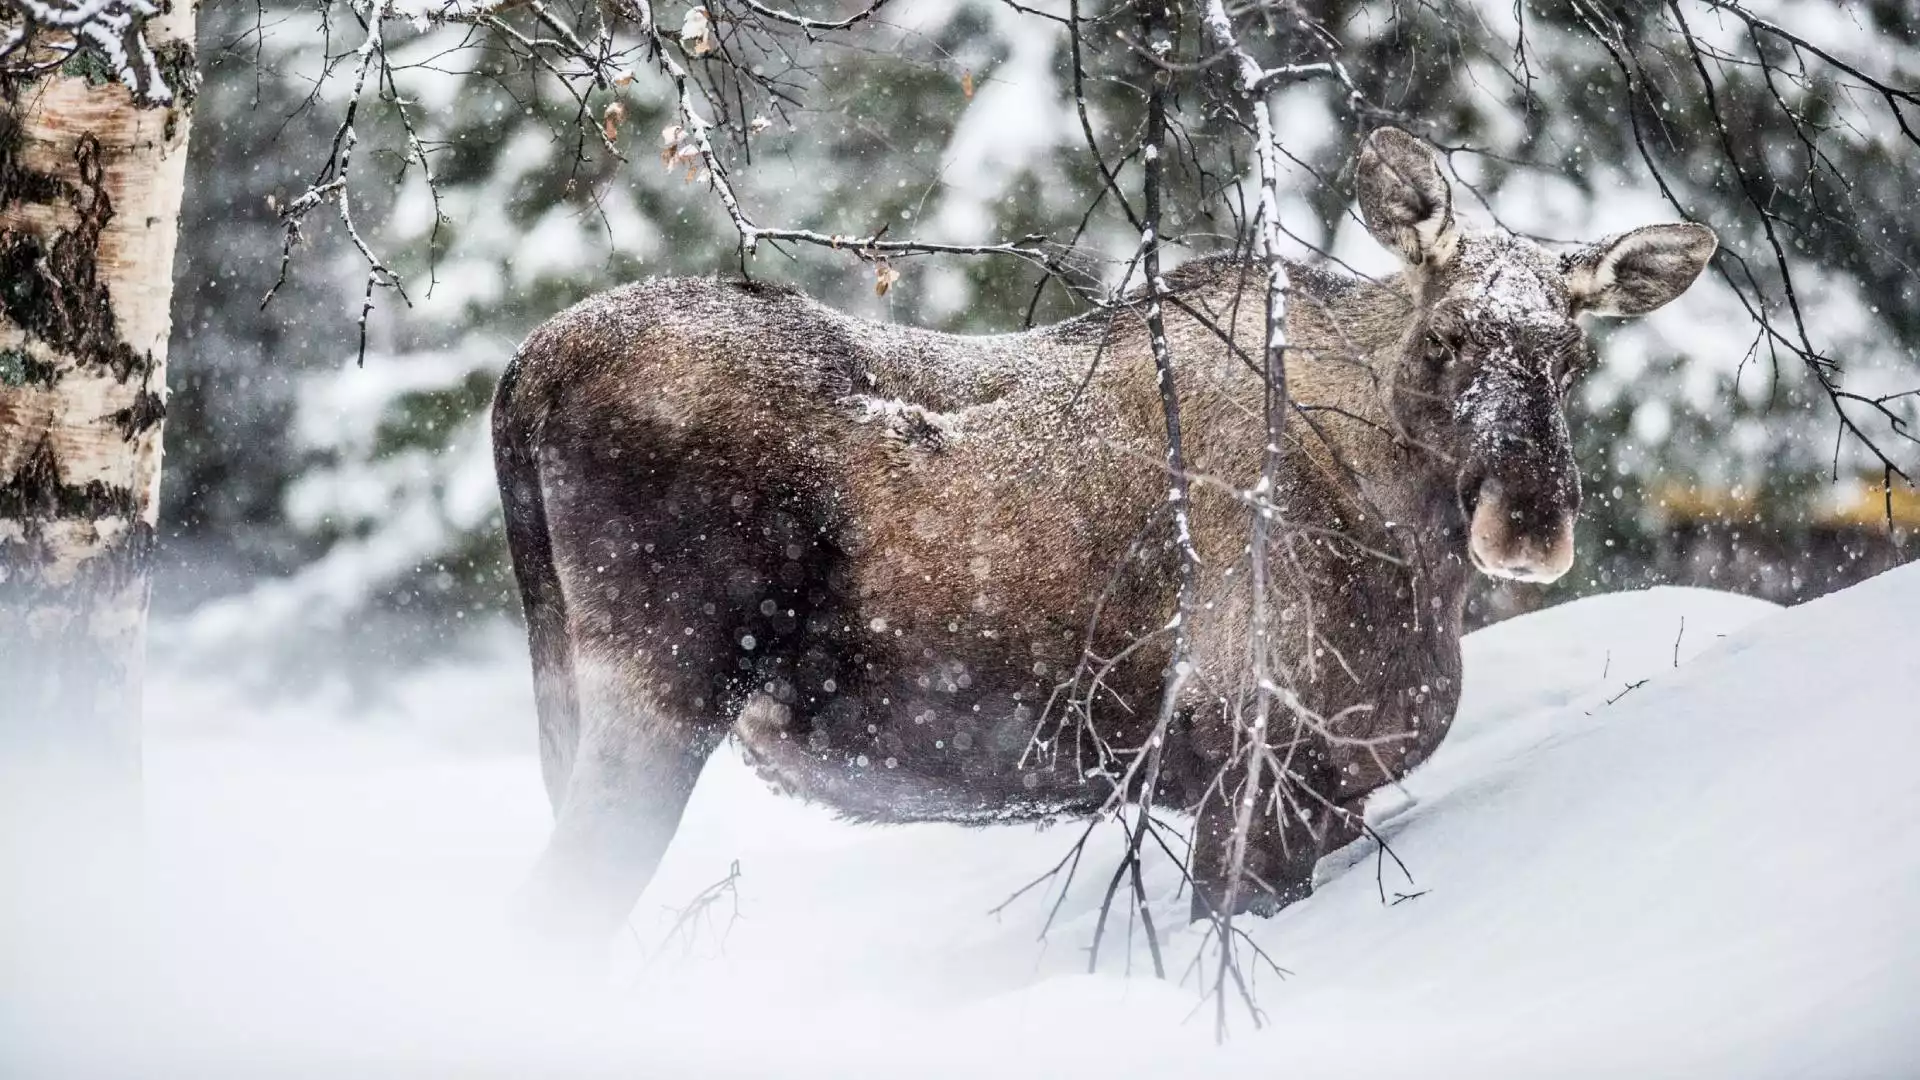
(1673, 833)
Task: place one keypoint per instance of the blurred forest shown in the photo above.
(305, 492)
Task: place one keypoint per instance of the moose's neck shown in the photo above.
(1344, 469)
(1344, 337)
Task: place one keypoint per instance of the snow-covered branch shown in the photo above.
(110, 34)
(335, 182)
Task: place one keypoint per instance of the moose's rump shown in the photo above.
(755, 502)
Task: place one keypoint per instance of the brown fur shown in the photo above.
(872, 552)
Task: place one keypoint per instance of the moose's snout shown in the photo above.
(1519, 488)
(1512, 533)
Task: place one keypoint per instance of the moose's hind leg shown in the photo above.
(632, 774)
(692, 564)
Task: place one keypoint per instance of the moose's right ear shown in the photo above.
(1636, 272)
(1406, 203)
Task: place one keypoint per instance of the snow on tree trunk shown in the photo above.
(93, 151)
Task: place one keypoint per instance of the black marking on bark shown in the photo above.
(18, 367)
(17, 182)
(36, 493)
(148, 409)
(54, 292)
(181, 72)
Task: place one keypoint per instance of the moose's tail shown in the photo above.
(516, 429)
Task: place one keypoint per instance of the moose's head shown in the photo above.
(1494, 347)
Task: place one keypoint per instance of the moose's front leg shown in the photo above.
(1292, 822)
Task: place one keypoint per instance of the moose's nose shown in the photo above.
(1510, 535)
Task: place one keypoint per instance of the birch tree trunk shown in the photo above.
(93, 139)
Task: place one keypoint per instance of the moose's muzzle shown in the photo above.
(1517, 534)
(1520, 489)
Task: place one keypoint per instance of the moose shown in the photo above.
(872, 553)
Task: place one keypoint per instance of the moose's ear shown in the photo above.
(1405, 201)
(1636, 272)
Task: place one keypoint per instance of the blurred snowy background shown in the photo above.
(307, 499)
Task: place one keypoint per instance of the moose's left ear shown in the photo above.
(1636, 272)
(1404, 200)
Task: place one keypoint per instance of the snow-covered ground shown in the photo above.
(1714, 873)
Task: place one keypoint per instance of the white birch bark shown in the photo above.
(91, 174)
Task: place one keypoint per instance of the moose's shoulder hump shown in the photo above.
(702, 295)
(728, 329)
(683, 303)
(755, 288)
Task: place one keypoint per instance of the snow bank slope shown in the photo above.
(1716, 874)
(1713, 874)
